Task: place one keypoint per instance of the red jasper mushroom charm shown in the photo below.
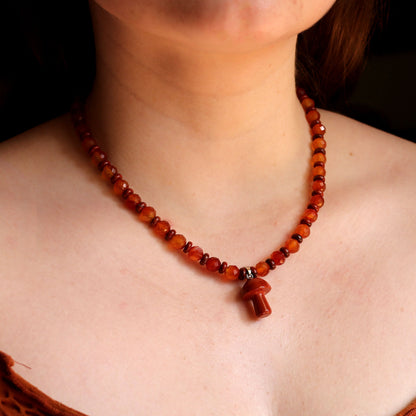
(255, 290)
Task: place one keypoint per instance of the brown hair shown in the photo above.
(331, 53)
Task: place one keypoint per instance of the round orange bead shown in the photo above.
(147, 214)
(120, 186)
(303, 230)
(262, 268)
(232, 272)
(161, 228)
(319, 143)
(278, 257)
(195, 253)
(310, 215)
(318, 129)
(292, 245)
(98, 156)
(213, 264)
(318, 185)
(317, 200)
(318, 157)
(312, 116)
(318, 170)
(177, 242)
(132, 200)
(87, 143)
(308, 103)
(108, 172)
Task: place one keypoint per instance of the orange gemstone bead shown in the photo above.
(87, 143)
(308, 103)
(177, 242)
(161, 228)
(310, 215)
(132, 200)
(262, 268)
(319, 143)
(318, 157)
(318, 129)
(312, 116)
(232, 272)
(278, 257)
(318, 170)
(108, 172)
(317, 200)
(147, 214)
(120, 186)
(318, 186)
(97, 157)
(213, 264)
(303, 230)
(292, 245)
(195, 253)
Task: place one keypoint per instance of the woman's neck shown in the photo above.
(188, 124)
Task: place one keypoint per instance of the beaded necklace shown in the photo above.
(255, 288)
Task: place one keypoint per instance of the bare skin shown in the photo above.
(110, 322)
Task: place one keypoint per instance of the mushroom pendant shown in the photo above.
(255, 290)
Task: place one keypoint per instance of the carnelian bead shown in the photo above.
(278, 257)
(147, 214)
(97, 157)
(303, 230)
(310, 215)
(319, 144)
(87, 143)
(318, 185)
(177, 242)
(317, 200)
(161, 228)
(318, 170)
(132, 200)
(312, 116)
(195, 253)
(108, 172)
(120, 186)
(318, 129)
(292, 245)
(318, 157)
(232, 272)
(307, 104)
(213, 264)
(262, 268)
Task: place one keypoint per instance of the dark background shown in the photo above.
(34, 89)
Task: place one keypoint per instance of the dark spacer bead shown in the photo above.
(204, 259)
(306, 222)
(243, 273)
(317, 136)
(271, 264)
(115, 178)
(319, 192)
(102, 165)
(301, 93)
(314, 207)
(187, 247)
(319, 150)
(253, 272)
(140, 206)
(126, 193)
(223, 266)
(313, 123)
(319, 178)
(316, 164)
(285, 251)
(297, 237)
(93, 149)
(169, 235)
(154, 221)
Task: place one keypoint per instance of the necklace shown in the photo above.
(255, 288)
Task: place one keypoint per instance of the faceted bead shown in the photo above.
(318, 170)
(147, 214)
(161, 228)
(132, 200)
(317, 200)
(262, 268)
(307, 104)
(232, 272)
(319, 143)
(87, 143)
(120, 186)
(108, 172)
(318, 157)
(318, 185)
(292, 245)
(278, 257)
(312, 115)
(303, 230)
(310, 215)
(97, 157)
(213, 264)
(177, 242)
(195, 253)
(318, 129)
